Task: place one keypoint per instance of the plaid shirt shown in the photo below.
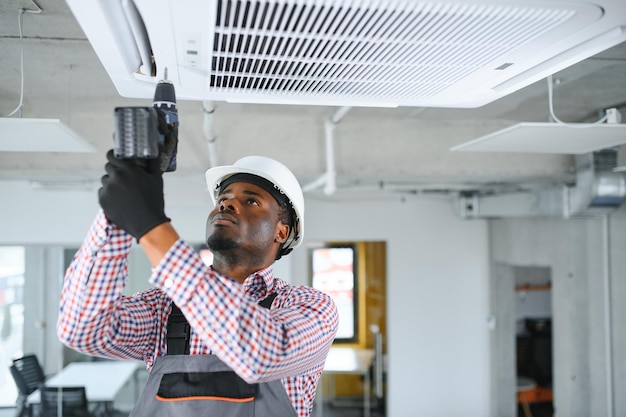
(290, 341)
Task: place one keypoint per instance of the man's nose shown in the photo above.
(227, 204)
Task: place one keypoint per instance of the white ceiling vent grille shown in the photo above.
(445, 53)
(389, 52)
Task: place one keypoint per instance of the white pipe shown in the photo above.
(328, 179)
(321, 180)
(606, 258)
(339, 114)
(208, 109)
(331, 175)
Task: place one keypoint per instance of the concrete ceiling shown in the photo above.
(404, 148)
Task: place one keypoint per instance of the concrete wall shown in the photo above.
(586, 260)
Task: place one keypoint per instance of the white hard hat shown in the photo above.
(276, 173)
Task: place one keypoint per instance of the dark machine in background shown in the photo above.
(534, 351)
(534, 362)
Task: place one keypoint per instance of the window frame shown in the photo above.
(356, 290)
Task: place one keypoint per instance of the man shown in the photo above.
(242, 356)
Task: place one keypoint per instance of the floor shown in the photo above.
(347, 411)
(10, 412)
(349, 408)
(343, 410)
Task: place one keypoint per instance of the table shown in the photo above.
(348, 361)
(523, 386)
(102, 380)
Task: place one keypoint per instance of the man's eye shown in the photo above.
(253, 201)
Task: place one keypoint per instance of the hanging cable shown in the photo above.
(20, 14)
(572, 125)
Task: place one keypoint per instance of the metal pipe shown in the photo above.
(378, 361)
(606, 258)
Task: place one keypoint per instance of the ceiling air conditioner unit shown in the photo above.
(435, 53)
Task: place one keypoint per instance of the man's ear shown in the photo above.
(282, 232)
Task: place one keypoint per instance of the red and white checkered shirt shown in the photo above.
(290, 341)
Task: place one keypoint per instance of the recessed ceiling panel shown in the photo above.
(556, 138)
(40, 135)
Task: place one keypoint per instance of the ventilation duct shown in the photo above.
(432, 53)
(598, 191)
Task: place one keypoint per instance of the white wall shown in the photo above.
(437, 296)
(437, 279)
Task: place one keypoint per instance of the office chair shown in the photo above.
(28, 376)
(70, 401)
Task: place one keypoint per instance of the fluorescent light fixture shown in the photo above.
(40, 135)
(554, 138)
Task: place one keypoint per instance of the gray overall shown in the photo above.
(183, 385)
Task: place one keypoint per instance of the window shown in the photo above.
(334, 272)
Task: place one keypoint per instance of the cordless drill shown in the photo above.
(149, 132)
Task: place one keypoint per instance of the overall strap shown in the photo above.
(179, 330)
(267, 301)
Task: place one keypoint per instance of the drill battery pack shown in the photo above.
(136, 133)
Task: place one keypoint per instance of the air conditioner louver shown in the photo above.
(426, 53)
(389, 54)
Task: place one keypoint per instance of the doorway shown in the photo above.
(521, 341)
(533, 341)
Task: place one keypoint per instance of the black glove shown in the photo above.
(132, 196)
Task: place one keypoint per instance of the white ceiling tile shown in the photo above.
(573, 138)
(40, 135)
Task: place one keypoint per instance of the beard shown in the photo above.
(218, 243)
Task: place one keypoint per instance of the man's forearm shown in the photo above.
(94, 316)
(94, 280)
(157, 242)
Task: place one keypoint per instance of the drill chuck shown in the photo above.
(165, 101)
